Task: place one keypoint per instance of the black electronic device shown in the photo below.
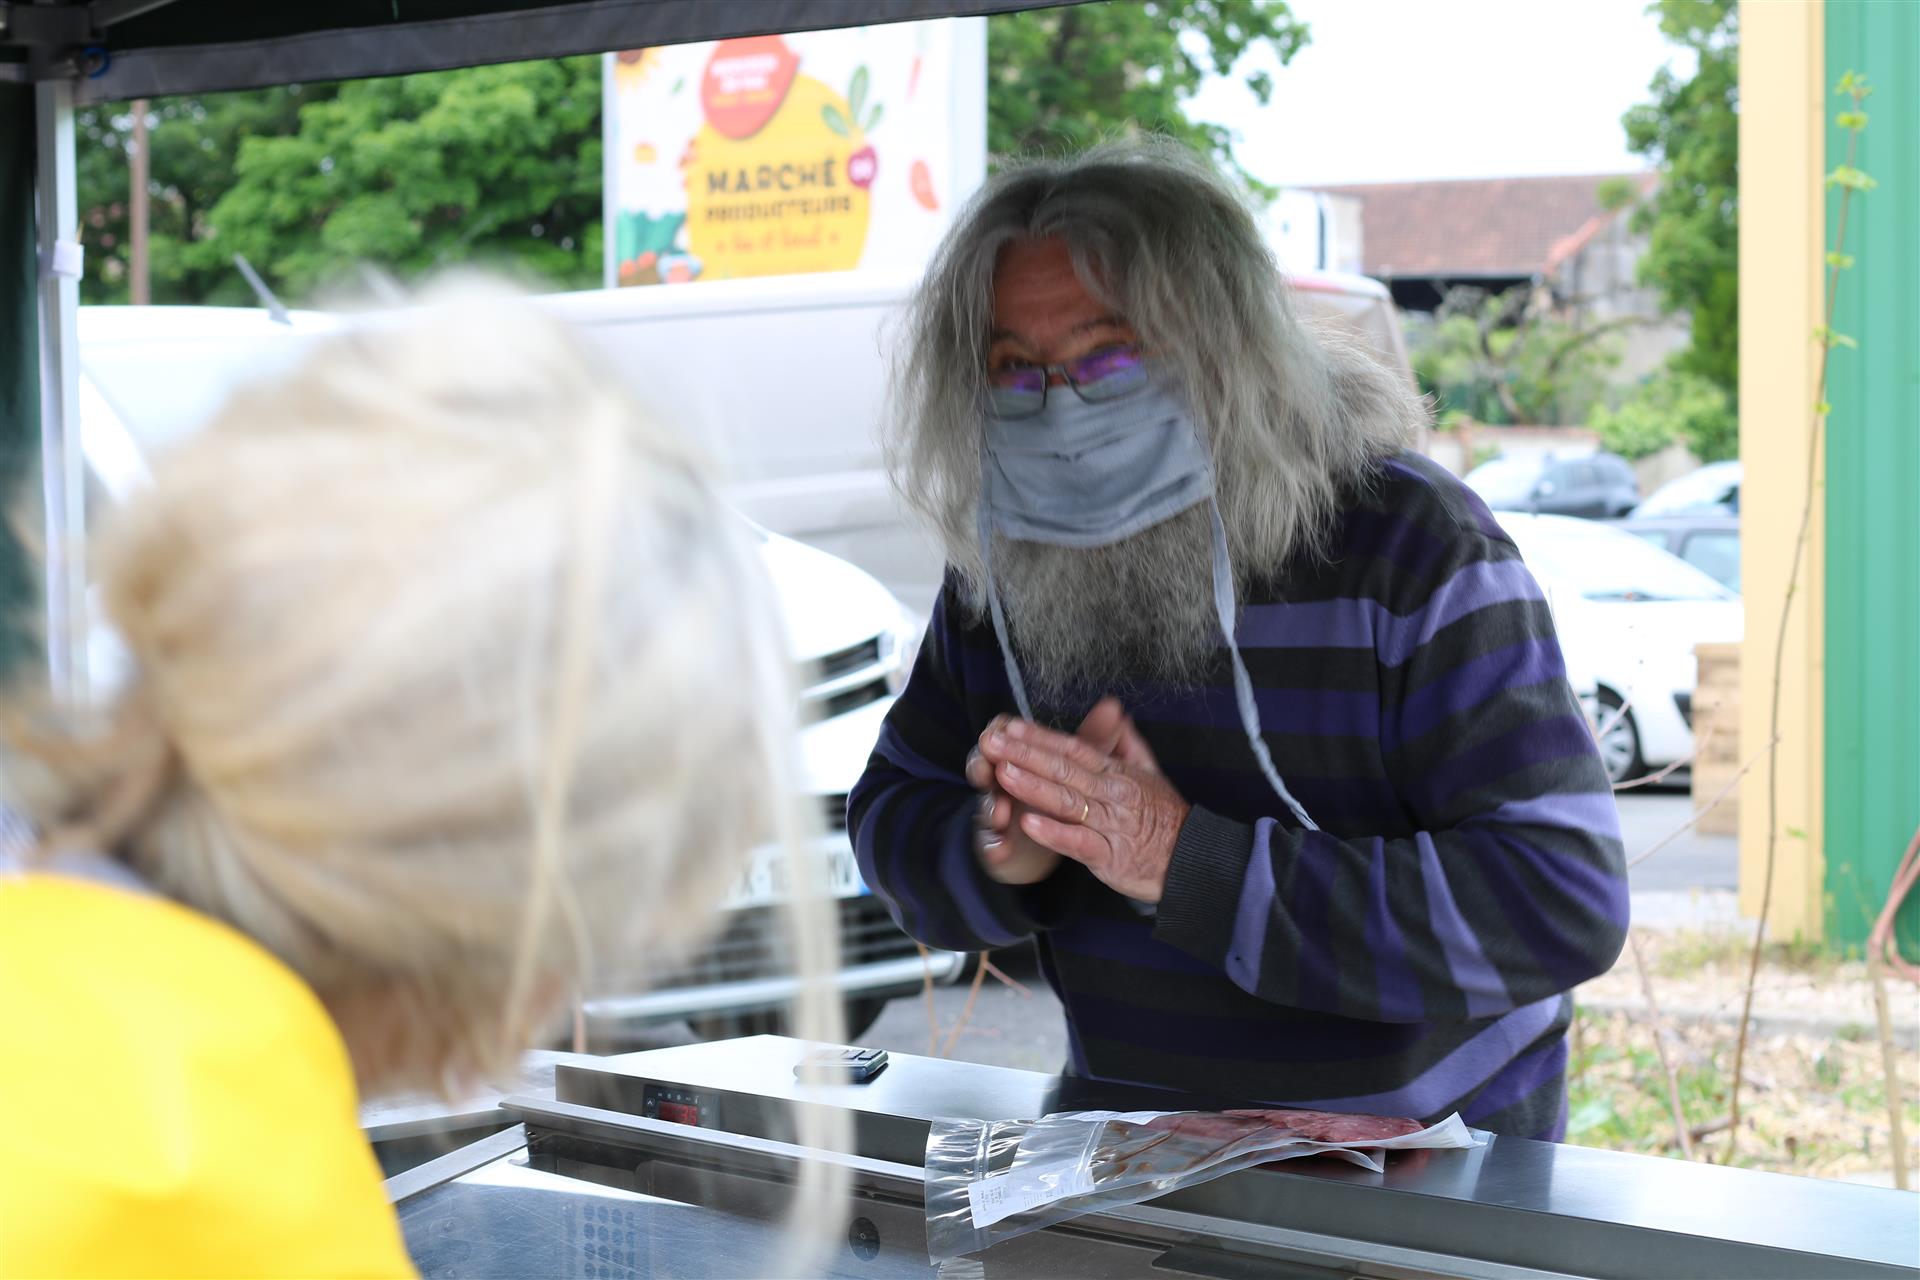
(856, 1066)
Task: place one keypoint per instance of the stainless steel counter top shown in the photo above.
(1532, 1204)
(406, 1130)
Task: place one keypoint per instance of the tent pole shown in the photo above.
(62, 462)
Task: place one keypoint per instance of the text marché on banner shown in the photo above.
(802, 202)
(771, 155)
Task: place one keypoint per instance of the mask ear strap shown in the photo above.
(993, 607)
(1223, 603)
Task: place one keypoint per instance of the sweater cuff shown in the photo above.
(1204, 880)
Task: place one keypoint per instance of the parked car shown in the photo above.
(1714, 488)
(1630, 614)
(151, 374)
(1709, 540)
(1598, 486)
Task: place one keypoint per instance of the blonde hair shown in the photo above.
(456, 687)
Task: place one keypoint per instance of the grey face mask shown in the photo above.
(1089, 475)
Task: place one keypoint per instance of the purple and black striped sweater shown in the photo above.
(1411, 958)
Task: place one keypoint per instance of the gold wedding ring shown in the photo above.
(1086, 810)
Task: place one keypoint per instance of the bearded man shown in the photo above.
(1253, 719)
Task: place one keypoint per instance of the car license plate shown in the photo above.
(766, 879)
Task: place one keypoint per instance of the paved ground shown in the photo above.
(1688, 882)
(1007, 1029)
(1691, 881)
(1692, 861)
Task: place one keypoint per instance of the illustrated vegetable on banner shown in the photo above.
(777, 155)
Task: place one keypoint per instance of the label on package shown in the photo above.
(1018, 1190)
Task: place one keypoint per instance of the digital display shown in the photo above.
(680, 1112)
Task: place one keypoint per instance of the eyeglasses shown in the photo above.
(1020, 390)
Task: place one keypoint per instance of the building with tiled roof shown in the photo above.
(1492, 232)
(1552, 235)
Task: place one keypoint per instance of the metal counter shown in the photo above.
(591, 1185)
(406, 1130)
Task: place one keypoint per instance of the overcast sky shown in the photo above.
(1392, 90)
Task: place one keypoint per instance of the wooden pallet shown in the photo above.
(1716, 733)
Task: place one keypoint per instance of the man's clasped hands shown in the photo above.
(1096, 796)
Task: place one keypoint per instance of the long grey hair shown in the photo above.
(1291, 413)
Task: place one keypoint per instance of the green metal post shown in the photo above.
(1873, 481)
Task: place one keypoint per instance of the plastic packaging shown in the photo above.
(990, 1180)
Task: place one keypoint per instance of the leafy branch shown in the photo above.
(1507, 356)
(1850, 181)
(1061, 79)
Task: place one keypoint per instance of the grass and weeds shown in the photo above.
(1814, 1104)
(1812, 1107)
(1687, 952)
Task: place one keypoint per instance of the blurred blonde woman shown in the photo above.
(456, 693)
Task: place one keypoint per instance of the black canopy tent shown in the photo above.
(57, 54)
(115, 50)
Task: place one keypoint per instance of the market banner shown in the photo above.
(778, 155)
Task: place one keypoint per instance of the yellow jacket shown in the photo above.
(175, 1101)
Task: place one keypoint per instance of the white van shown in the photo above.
(149, 375)
(784, 380)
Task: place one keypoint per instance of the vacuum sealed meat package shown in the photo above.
(990, 1180)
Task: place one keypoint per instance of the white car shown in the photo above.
(1629, 616)
(151, 374)
(1714, 487)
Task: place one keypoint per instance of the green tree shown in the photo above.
(498, 165)
(191, 143)
(1672, 405)
(1690, 130)
(1498, 358)
(1064, 78)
